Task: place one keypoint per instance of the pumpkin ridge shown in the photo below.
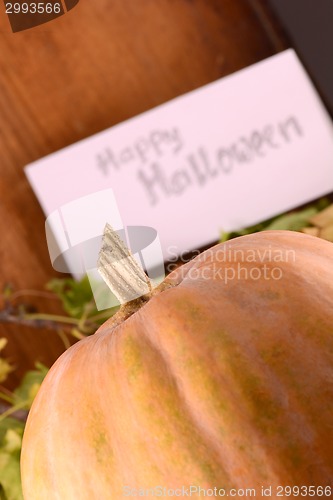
(182, 407)
(209, 433)
(190, 411)
(249, 351)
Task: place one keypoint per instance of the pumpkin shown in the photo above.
(223, 379)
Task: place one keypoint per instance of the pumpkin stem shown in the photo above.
(120, 271)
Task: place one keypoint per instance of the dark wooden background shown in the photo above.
(102, 62)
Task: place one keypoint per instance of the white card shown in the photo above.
(225, 156)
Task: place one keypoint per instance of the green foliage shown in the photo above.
(79, 303)
(76, 296)
(5, 366)
(11, 432)
(31, 382)
(292, 221)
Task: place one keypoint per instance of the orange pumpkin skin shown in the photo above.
(211, 383)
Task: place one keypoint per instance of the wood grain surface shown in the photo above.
(99, 64)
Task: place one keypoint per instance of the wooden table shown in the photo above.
(101, 63)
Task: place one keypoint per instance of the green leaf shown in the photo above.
(9, 423)
(75, 295)
(292, 221)
(11, 432)
(5, 369)
(78, 300)
(5, 366)
(10, 475)
(29, 386)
